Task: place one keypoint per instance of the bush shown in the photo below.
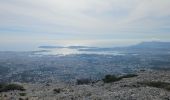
(14, 87)
(57, 90)
(21, 99)
(129, 76)
(83, 81)
(22, 94)
(111, 78)
(10, 87)
(1, 85)
(158, 84)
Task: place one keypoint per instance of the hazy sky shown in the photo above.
(83, 22)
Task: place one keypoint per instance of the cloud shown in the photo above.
(96, 18)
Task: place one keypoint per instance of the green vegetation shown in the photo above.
(21, 99)
(22, 94)
(158, 84)
(10, 87)
(129, 76)
(113, 78)
(57, 90)
(83, 81)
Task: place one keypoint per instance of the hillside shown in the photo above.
(141, 87)
(152, 45)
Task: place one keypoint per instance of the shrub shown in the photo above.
(57, 90)
(111, 78)
(10, 87)
(21, 99)
(83, 81)
(158, 84)
(14, 87)
(22, 94)
(129, 76)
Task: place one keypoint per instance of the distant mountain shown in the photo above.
(144, 46)
(77, 47)
(70, 47)
(155, 45)
(50, 47)
(152, 45)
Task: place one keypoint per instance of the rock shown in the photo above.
(125, 89)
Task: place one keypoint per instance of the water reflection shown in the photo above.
(69, 51)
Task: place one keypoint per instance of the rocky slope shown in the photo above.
(125, 89)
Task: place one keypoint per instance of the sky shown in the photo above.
(83, 22)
